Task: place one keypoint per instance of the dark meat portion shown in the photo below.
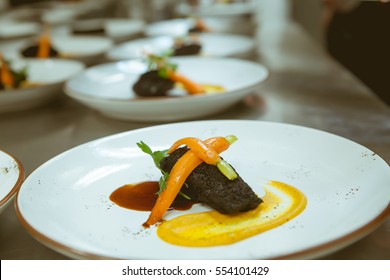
(32, 51)
(206, 184)
(150, 84)
(187, 49)
(1, 85)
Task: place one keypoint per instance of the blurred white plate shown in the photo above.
(12, 29)
(49, 74)
(11, 177)
(218, 9)
(214, 45)
(181, 26)
(108, 88)
(114, 28)
(65, 203)
(88, 49)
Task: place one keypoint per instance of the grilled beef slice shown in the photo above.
(150, 84)
(206, 184)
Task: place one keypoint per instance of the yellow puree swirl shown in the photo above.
(281, 203)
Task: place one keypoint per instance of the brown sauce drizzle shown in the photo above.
(142, 197)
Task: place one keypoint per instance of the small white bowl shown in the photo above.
(11, 177)
(88, 49)
(213, 44)
(108, 88)
(118, 29)
(181, 26)
(49, 74)
(13, 29)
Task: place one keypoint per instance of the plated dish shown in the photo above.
(346, 186)
(114, 28)
(217, 9)
(11, 177)
(108, 88)
(44, 78)
(212, 45)
(87, 49)
(13, 30)
(182, 26)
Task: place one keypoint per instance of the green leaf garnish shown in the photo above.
(157, 156)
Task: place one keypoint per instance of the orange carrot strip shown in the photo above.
(189, 85)
(44, 46)
(6, 76)
(179, 173)
(201, 25)
(201, 150)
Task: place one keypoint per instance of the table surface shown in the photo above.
(306, 87)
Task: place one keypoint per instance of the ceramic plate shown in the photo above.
(115, 28)
(11, 177)
(181, 26)
(222, 9)
(215, 45)
(47, 77)
(65, 202)
(108, 88)
(11, 29)
(87, 49)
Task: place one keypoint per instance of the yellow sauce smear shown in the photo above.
(281, 203)
(209, 88)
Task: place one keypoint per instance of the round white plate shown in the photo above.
(49, 73)
(228, 9)
(181, 26)
(87, 49)
(13, 29)
(108, 88)
(213, 44)
(65, 202)
(11, 177)
(115, 28)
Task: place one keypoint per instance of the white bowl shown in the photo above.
(108, 88)
(11, 177)
(213, 45)
(13, 29)
(88, 49)
(181, 26)
(49, 74)
(65, 202)
(221, 9)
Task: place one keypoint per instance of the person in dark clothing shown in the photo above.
(359, 39)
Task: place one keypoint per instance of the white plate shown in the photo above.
(219, 9)
(65, 203)
(215, 45)
(12, 29)
(181, 26)
(116, 28)
(88, 49)
(108, 88)
(50, 73)
(11, 177)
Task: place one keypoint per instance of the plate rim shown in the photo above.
(320, 250)
(19, 181)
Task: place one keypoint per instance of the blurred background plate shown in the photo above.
(108, 88)
(11, 177)
(181, 26)
(213, 44)
(46, 76)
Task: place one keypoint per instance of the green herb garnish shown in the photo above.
(157, 156)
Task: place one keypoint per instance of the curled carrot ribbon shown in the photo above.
(200, 151)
